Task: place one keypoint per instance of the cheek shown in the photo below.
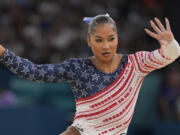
(95, 49)
(114, 45)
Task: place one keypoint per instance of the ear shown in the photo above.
(88, 40)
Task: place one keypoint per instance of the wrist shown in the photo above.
(172, 50)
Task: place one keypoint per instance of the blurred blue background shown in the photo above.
(46, 31)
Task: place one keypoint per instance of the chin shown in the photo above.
(108, 59)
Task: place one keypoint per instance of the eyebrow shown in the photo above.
(101, 37)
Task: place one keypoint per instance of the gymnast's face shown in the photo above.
(103, 42)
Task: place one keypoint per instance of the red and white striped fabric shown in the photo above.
(109, 112)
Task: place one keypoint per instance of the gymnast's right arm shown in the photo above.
(44, 73)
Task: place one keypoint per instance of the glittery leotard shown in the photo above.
(105, 102)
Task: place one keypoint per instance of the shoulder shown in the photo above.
(76, 62)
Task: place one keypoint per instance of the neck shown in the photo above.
(110, 66)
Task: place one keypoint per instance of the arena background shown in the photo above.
(46, 31)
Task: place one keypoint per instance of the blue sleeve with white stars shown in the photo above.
(48, 73)
(84, 78)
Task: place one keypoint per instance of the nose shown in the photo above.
(105, 45)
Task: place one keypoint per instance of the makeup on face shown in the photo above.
(103, 42)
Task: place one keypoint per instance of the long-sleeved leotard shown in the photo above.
(84, 78)
(104, 101)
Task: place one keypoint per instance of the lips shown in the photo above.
(106, 54)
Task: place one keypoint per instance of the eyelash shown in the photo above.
(111, 39)
(99, 40)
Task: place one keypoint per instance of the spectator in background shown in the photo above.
(7, 98)
(170, 96)
(178, 95)
(49, 29)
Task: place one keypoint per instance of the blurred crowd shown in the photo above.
(169, 100)
(46, 31)
(7, 97)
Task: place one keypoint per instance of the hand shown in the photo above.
(162, 34)
(2, 50)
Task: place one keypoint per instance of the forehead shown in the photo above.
(103, 30)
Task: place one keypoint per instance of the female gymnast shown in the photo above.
(106, 85)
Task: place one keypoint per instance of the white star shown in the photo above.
(77, 65)
(33, 67)
(85, 75)
(31, 76)
(25, 70)
(95, 77)
(84, 93)
(10, 62)
(106, 78)
(51, 78)
(61, 69)
(50, 68)
(42, 73)
(89, 85)
(101, 86)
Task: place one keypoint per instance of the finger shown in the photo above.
(168, 27)
(150, 33)
(160, 24)
(156, 29)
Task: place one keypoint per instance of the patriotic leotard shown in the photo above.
(105, 102)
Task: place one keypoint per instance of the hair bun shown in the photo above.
(107, 15)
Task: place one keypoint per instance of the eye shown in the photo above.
(111, 39)
(98, 40)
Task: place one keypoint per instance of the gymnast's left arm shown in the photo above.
(145, 61)
(169, 46)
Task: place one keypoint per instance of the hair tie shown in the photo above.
(88, 19)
